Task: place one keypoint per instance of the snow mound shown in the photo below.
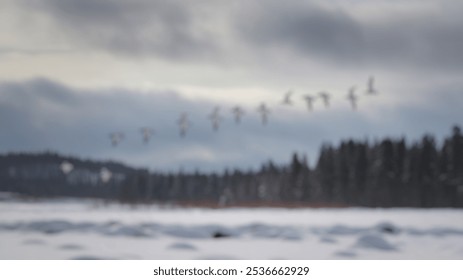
(182, 246)
(49, 227)
(257, 230)
(388, 228)
(33, 242)
(133, 231)
(344, 230)
(371, 241)
(346, 254)
(328, 239)
(71, 246)
(436, 232)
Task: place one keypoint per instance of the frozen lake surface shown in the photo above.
(72, 229)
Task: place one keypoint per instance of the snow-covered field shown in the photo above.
(89, 230)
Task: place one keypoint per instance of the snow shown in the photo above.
(374, 241)
(85, 229)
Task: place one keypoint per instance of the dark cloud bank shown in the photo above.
(141, 27)
(413, 40)
(178, 29)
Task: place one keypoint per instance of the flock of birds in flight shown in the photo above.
(184, 123)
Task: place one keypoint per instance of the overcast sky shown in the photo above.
(72, 71)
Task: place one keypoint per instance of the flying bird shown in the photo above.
(325, 96)
(238, 112)
(116, 138)
(183, 124)
(371, 87)
(264, 112)
(287, 98)
(147, 132)
(215, 118)
(309, 99)
(352, 98)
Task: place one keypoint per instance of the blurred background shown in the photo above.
(332, 104)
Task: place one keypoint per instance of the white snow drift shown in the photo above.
(91, 230)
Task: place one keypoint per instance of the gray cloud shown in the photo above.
(141, 27)
(303, 26)
(205, 31)
(411, 39)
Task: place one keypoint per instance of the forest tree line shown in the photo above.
(386, 173)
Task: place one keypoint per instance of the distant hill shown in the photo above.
(41, 174)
